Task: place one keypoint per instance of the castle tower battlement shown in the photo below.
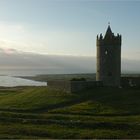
(108, 58)
(109, 38)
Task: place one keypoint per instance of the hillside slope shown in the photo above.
(40, 112)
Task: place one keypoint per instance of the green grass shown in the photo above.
(34, 99)
(40, 112)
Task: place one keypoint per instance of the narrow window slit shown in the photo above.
(106, 52)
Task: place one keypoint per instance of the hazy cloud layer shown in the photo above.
(52, 63)
(56, 63)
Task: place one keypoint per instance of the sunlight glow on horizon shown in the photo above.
(67, 28)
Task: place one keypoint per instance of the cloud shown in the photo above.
(24, 38)
(21, 38)
(8, 46)
(56, 64)
(8, 50)
(51, 64)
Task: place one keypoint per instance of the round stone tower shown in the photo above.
(109, 58)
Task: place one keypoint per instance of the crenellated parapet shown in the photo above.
(108, 39)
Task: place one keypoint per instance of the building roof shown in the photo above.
(108, 32)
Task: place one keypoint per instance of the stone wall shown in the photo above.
(130, 81)
(60, 85)
(73, 86)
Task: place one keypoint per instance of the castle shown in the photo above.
(108, 66)
(108, 69)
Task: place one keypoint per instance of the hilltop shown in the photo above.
(40, 112)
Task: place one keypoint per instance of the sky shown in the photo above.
(68, 27)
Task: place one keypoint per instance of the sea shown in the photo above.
(11, 78)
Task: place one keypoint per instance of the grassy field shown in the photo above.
(40, 112)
